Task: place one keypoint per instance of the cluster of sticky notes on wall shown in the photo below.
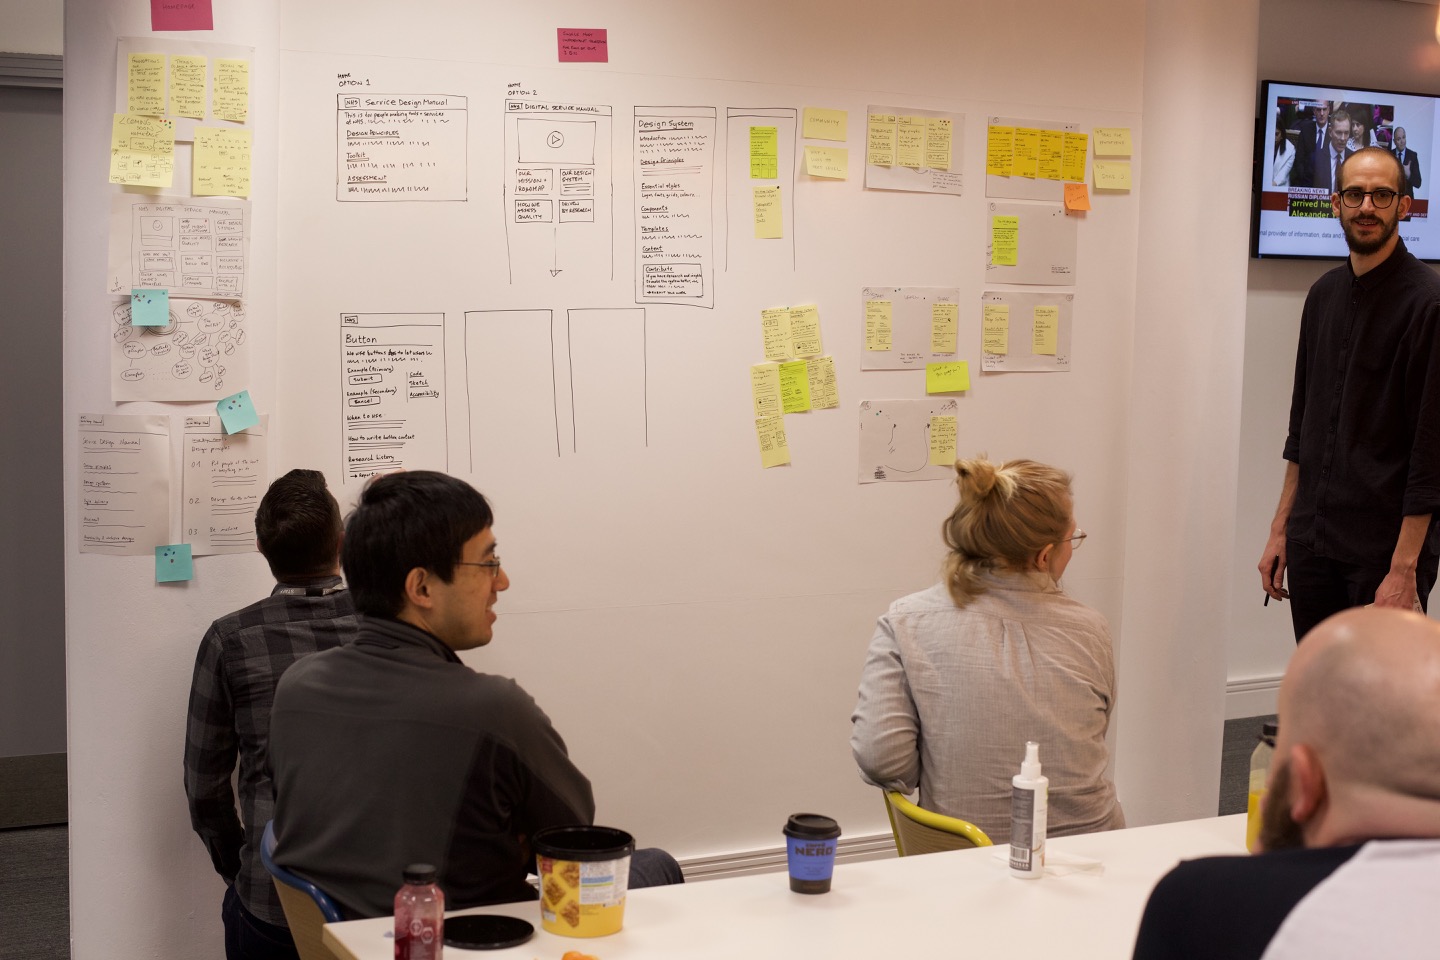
(909, 140)
(825, 162)
(794, 379)
(1035, 153)
(1113, 174)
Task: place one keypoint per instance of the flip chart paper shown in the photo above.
(231, 99)
(944, 325)
(877, 324)
(124, 489)
(1077, 196)
(583, 46)
(1112, 174)
(181, 15)
(775, 333)
(832, 163)
(895, 440)
(147, 84)
(880, 140)
(824, 392)
(1072, 161)
(187, 87)
(995, 328)
(223, 480)
(947, 377)
(765, 389)
(1046, 330)
(768, 214)
(942, 441)
(237, 412)
(764, 153)
(1004, 240)
(774, 447)
(805, 331)
(173, 563)
(142, 151)
(1000, 151)
(823, 124)
(149, 308)
(1113, 142)
(222, 162)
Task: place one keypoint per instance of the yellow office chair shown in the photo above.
(918, 830)
(307, 907)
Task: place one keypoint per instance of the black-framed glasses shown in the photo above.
(493, 564)
(1076, 540)
(1382, 197)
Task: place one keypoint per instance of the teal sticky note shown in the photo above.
(149, 308)
(237, 412)
(173, 563)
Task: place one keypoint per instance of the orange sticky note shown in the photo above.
(1077, 196)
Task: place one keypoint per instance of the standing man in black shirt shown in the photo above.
(1355, 519)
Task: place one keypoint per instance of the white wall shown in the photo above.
(1299, 42)
(32, 26)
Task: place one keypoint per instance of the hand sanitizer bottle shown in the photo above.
(1029, 807)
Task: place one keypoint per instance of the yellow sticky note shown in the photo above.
(910, 142)
(938, 139)
(944, 324)
(1004, 241)
(1113, 142)
(774, 448)
(1050, 158)
(805, 330)
(995, 328)
(942, 441)
(1027, 152)
(1077, 196)
(877, 324)
(765, 389)
(775, 331)
(833, 163)
(880, 140)
(142, 151)
(1072, 162)
(147, 84)
(222, 162)
(824, 394)
(822, 124)
(1112, 174)
(768, 225)
(231, 99)
(187, 87)
(950, 377)
(1000, 151)
(795, 386)
(1047, 330)
(764, 153)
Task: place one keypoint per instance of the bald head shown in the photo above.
(1360, 696)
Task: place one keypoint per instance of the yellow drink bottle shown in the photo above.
(1259, 773)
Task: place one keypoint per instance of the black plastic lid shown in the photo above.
(811, 826)
(486, 932)
(582, 844)
(419, 873)
(1270, 729)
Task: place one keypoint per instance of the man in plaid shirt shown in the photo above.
(241, 658)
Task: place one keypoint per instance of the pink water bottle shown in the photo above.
(419, 915)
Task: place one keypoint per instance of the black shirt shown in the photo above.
(1365, 414)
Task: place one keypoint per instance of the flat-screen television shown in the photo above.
(1303, 129)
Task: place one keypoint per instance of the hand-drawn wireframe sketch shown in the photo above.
(595, 361)
(1022, 187)
(674, 205)
(911, 317)
(1019, 315)
(559, 190)
(124, 484)
(925, 149)
(401, 146)
(1046, 246)
(196, 356)
(221, 483)
(744, 253)
(895, 439)
(393, 390)
(195, 248)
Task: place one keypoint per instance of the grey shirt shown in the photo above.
(949, 696)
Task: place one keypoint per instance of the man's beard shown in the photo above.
(1277, 830)
(1366, 247)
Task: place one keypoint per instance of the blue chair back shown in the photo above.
(328, 910)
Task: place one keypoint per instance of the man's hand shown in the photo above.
(1272, 567)
(1397, 590)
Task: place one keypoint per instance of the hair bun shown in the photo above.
(978, 478)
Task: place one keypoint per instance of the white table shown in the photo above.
(963, 903)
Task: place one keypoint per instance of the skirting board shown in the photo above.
(1251, 697)
(772, 859)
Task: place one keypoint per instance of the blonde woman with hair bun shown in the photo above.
(959, 676)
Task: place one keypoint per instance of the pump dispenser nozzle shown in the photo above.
(1030, 768)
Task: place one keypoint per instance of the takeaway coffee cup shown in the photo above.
(810, 851)
(584, 873)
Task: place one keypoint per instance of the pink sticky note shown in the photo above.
(181, 15)
(582, 46)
